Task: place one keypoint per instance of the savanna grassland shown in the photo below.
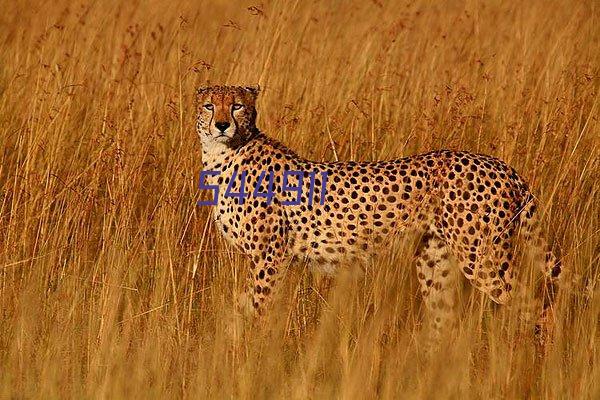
(114, 284)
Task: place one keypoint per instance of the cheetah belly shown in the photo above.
(348, 236)
(324, 257)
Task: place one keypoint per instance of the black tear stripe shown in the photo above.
(212, 116)
(238, 139)
(235, 140)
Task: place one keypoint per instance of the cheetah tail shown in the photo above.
(547, 256)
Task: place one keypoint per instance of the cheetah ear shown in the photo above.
(201, 91)
(254, 90)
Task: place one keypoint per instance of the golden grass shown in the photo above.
(113, 284)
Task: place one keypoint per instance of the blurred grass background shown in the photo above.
(113, 284)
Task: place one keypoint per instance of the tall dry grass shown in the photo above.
(113, 284)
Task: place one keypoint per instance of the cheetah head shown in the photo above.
(226, 115)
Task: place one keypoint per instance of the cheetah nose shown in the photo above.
(222, 126)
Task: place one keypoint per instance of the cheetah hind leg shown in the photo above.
(489, 266)
(437, 279)
(492, 273)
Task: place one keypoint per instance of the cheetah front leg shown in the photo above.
(253, 303)
(264, 276)
(266, 244)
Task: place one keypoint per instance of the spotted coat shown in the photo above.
(467, 207)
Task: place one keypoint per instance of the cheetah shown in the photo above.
(468, 209)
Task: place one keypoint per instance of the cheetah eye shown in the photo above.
(237, 106)
(209, 106)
